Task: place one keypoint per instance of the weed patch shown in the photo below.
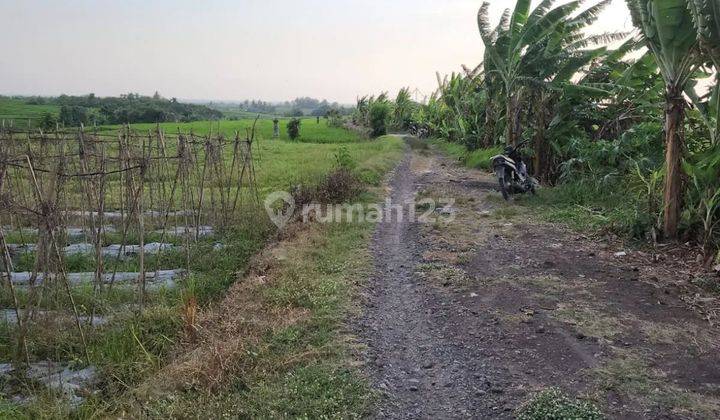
(553, 404)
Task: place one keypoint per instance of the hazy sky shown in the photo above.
(241, 49)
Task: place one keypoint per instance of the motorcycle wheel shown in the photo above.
(504, 186)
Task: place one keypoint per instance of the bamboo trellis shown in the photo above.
(118, 190)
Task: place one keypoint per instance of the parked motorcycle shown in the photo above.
(419, 130)
(511, 172)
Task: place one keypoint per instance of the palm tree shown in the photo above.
(667, 29)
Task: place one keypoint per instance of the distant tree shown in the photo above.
(295, 112)
(73, 116)
(293, 128)
(48, 122)
(379, 117)
(36, 100)
(334, 118)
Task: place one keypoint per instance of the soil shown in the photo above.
(470, 318)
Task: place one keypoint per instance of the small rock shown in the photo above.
(621, 254)
(540, 330)
(473, 295)
(413, 388)
(428, 365)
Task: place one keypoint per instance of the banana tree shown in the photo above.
(507, 45)
(667, 29)
(706, 16)
(404, 108)
(556, 62)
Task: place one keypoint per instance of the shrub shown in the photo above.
(343, 159)
(379, 117)
(293, 128)
(48, 122)
(553, 404)
(337, 187)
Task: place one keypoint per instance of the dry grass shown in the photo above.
(226, 334)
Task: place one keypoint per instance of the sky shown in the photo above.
(272, 50)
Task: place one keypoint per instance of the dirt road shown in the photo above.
(470, 318)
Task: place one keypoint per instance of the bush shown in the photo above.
(48, 122)
(293, 128)
(553, 404)
(379, 117)
(337, 187)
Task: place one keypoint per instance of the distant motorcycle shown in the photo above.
(511, 172)
(419, 131)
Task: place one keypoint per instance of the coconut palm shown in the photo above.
(667, 29)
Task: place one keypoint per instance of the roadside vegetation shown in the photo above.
(622, 127)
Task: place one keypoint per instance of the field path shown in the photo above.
(467, 319)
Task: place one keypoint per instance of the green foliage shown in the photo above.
(476, 159)
(344, 160)
(48, 122)
(71, 111)
(481, 158)
(553, 404)
(334, 117)
(73, 116)
(316, 391)
(703, 198)
(379, 117)
(403, 109)
(293, 128)
(668, 30)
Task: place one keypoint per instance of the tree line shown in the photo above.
(126, 109)
(298, 107)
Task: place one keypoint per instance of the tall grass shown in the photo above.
(476, 159)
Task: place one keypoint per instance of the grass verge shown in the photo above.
(293, 361)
